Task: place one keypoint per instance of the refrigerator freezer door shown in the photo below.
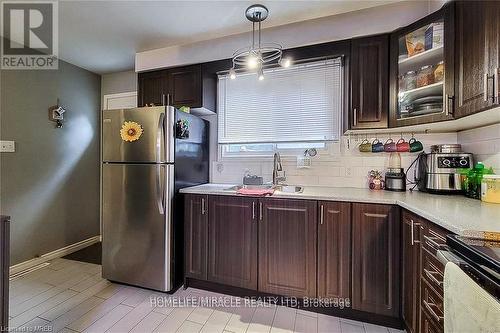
(137, 224)
(154, 145)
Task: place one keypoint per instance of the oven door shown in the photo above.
(469, 301)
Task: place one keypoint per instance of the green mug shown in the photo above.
(365, 146)
(415, 145)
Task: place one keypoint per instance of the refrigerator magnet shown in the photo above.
(131, 131)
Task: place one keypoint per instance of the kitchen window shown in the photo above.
(292, 109)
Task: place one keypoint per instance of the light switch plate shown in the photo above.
(7, 146)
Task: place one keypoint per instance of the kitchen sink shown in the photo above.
(289, 188)
(278, 188)
(250, 187)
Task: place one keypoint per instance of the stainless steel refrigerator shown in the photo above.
(148, 154)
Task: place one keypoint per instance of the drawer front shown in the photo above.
(432, 271)
(434, 237)
(432, 303)
(428, 324)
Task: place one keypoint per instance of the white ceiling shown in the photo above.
(103, 36)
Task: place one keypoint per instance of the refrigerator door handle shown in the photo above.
(159, 190)
(160, 138)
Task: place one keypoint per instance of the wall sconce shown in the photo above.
(56, 114)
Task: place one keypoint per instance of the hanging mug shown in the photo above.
(390, 146)
(415, 145)
(377, 146)
(365, 146)
(402, 146)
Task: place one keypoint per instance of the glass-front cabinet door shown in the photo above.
(422, 70)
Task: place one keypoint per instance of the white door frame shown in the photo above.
(125, 96)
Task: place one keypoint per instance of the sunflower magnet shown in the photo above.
(131, 131)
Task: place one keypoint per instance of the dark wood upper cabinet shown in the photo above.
(185, 86)
(196, 235)
(369, 82)
(427, 42)
(287, 247)
(232, 239)
(152, 88)
(375, 259)
(334, 249)
(192, 86)
(411, 264)
(477, 54)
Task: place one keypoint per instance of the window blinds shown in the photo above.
(295, 104)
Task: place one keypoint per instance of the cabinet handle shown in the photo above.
(431, 311)
(168, 99)
(448, 110)
(412, 229)
(253, 210)
(321, 214)
(485, 86)
(260, 211)
(163, 99)
(496, 85)
(486, 78)
(430, 275)
(431, 241)
(355, 116)
(203, 211)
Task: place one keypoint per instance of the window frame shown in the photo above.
(289, 153)
(284, 152)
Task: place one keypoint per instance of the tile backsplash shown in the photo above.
(484, 142)
(340, 165)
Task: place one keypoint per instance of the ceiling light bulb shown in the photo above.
(232, 74)
(252, 61)
(286, 62)
(261, 74)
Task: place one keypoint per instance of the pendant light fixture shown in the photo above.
(258, 54)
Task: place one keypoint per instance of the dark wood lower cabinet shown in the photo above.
(375, 259)
(195, 235)
(411, 263)
(334, 249)
(287, 247)
(306, 248)
(232, 241)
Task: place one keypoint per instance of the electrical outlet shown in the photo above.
(348, 172)
(7, 146)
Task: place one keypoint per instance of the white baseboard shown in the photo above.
(53, 255)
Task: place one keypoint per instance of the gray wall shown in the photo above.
(120, 82)
(50, 185)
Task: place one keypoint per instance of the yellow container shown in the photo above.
(490, 188)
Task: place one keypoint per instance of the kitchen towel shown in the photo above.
(467, 306)
(256, 191)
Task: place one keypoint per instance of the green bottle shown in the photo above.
(472, 183)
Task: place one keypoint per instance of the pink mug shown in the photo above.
(402, 146)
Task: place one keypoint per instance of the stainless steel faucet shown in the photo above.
(277, 169)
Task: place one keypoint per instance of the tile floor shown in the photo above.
(70, 296)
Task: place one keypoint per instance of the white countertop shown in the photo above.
(456, 213)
